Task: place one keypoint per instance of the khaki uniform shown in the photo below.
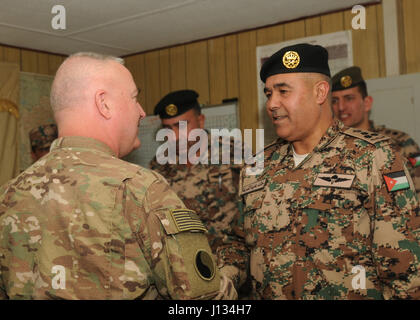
(312, 229)
(407, 147)
(83, 224)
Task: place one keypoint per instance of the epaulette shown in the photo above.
(270, 145)
(368, 136)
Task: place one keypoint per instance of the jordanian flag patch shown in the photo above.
(396, 181)
(415, 159)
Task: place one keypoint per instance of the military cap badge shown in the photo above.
(291, 59)
(346, 81)
(171, 109)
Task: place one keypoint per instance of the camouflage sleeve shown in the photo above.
(233, 255)
(396, 226)
(181, 258)
(411, 150)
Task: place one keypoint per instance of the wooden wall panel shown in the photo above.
(29, 61)
(332, 22)
(366, 50)
(312, 26)
(270, 35)
(217, 70)
(136, 66)
(232, 66)
(152, 80)
(43, 63)
(411, 18)
(294, 30)
(11, 55)
(248, 99)
(197, 68)
(178, 69)
(164, 72)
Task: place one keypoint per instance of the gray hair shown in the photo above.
(97, 56)
(60, 96)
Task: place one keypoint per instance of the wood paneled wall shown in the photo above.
(31, 61)
(225, 67)
(411, 36)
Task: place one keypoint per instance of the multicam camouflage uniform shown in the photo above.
(308, 226)
(82, 224)
(407, 147)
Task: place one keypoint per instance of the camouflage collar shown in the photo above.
(332, 132)
(81, 143)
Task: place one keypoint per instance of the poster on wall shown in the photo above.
(35, 110)
(340, 52)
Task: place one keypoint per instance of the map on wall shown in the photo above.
(35, 110)
(340, 56)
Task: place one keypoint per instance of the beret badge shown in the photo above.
(346, 81)
(171, 110)
(291, 59)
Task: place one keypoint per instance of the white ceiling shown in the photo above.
(129, 26)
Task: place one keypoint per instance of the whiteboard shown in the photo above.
(396, 103)
(216, 117)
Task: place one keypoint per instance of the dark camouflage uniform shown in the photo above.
(106, 222)
(404, 145)
(305, 239)
(42, 137)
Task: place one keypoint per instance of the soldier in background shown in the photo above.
(41, 139)
(334, 215)
(352, 105)
(208, 189)
(83, 224)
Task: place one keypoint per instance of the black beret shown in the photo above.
(176, 103)
(347, 78)
(303, 57)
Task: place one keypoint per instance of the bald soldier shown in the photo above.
(334, 214)
(352, 105)
(81, 223)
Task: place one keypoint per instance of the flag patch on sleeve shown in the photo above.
(396, 181)
(186, 220)
(415, 160)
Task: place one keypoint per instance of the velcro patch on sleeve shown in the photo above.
(187, 220)
(396, 181)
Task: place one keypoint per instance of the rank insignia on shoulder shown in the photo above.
(396, 181)
(186, 220)
(415, 159)
(334, 180)
(258, 185)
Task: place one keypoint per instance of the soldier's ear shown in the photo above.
(101, 106)
(322, 89)
(368, 101)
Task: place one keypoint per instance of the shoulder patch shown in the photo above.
(368, 136)
(179, 220)
(187, 220)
